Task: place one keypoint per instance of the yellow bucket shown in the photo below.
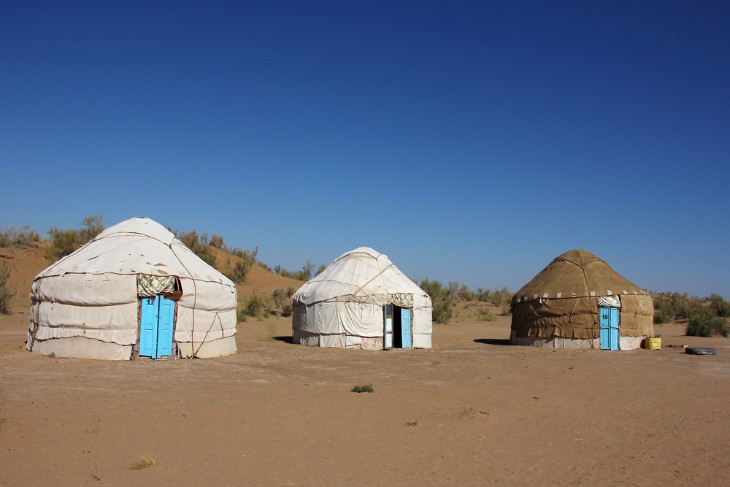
(653, 343)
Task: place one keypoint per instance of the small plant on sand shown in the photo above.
(412, 424)
(143, 461)
(366, 388)
(468, 411)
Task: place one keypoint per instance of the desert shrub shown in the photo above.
(501, 296)
(718, 303)
(441, 298)
(498, 297)
(706, 323)
(217, 242)
(306, 273)
(247, 259)
(465, 294)
(64, 242)
(247, 255)
(143, 461)
(5, 292)
(486, 315)
(256, 307)
(678, 306)
(320, 269)
(684, 306)
(664, 311)
(198, 245)
(91, 226)
(303, 275)
(282, 300)
(360, 389)
(21, 237)
(238, 272)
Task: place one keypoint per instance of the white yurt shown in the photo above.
(362, 300)
(133, 291)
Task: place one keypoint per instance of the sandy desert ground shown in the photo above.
(470, 411)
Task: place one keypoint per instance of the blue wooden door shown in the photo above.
(148, 328)
(165, 321)
(609, 334)
(156, 326)
(405, 326)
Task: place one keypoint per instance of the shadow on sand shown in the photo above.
(493, 341)
(285, 339)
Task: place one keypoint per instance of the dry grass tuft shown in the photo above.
(144, 461)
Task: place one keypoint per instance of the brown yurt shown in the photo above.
(579, 301)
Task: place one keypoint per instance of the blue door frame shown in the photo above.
(405, 327)
(397, 327)
(157, 319)
(609, 326)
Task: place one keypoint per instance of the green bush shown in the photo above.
(718, 303)
(247, 259)
(360, 389)
(706, 325)
(256, 307)
(441, 298)
(465, 294)
(238, 272)
(664, 311)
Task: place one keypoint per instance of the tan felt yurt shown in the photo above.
(579, 301)
(133, 291)
(362, 300)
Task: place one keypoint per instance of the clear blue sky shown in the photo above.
(470, 141)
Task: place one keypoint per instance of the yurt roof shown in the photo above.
(362, 271)
(576, 273)
(136, 246)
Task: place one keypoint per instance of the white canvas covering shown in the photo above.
(343, 306)
(86, 304)
(560, 343)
